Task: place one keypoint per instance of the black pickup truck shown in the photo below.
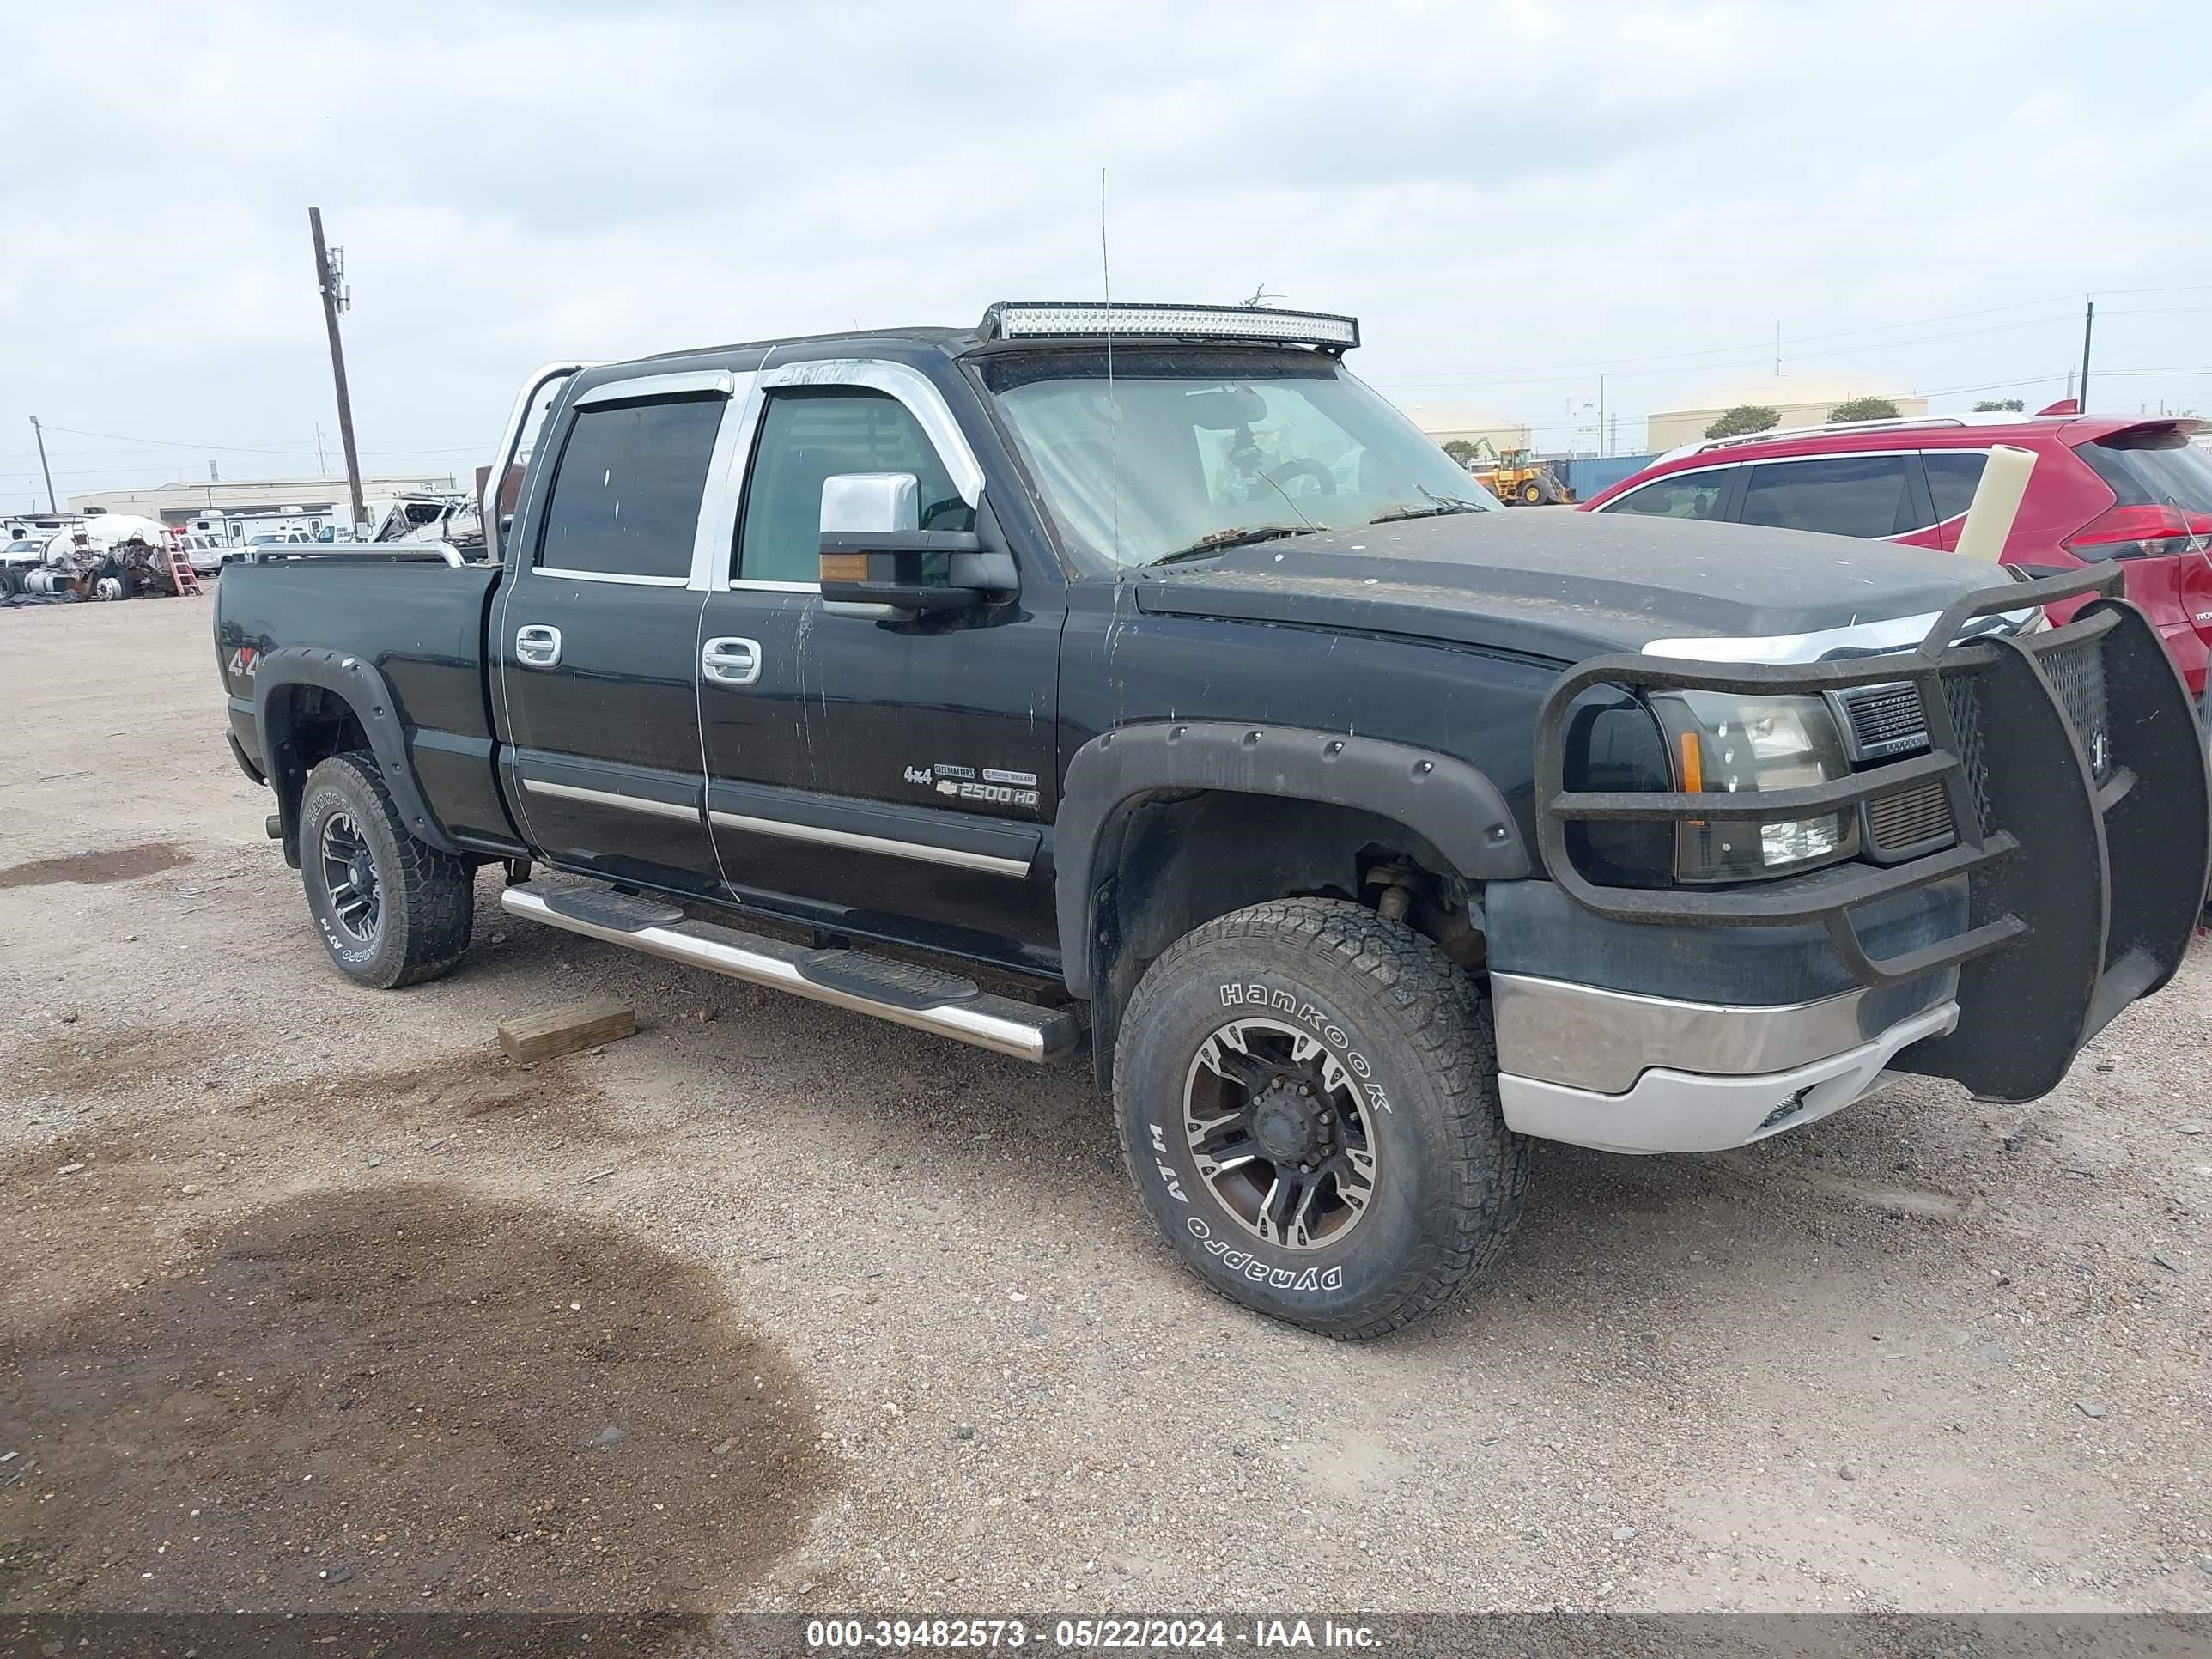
(1138, 678)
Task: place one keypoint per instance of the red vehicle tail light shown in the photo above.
(2141, 533)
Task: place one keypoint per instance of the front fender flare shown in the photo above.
(1442, 798)
(362, 687)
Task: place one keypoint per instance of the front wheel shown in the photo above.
(1307, 1099)
(391, 910)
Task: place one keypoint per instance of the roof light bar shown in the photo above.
(1016, 319)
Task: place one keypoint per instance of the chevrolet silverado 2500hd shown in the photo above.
(1169, 682)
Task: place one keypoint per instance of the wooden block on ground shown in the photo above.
(565, 1029)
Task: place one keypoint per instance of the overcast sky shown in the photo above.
(1513, 199)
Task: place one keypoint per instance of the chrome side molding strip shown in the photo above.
(998, 1023)
(925, 851)
(658, 809)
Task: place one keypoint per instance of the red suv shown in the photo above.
(2104, 487)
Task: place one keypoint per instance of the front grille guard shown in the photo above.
(2100, 859)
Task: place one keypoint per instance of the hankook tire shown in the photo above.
(1307, 1097)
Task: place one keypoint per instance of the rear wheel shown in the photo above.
(1307, 1097)
(390, 910)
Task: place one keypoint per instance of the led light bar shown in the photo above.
(1016, 319)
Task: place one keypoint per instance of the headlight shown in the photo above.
(1723, 743)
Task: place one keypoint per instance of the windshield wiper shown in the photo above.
(1222, 540)
(1436, 510)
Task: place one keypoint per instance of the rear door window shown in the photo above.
(626, 494)
(2159, 467)
(1683, 496)
(1866, 495)
(1954, 475)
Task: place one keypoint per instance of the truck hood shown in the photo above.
(1564, 585)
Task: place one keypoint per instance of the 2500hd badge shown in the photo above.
(998, 789)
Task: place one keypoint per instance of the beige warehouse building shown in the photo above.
(1798, 399)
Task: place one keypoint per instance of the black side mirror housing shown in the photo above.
(898, 571)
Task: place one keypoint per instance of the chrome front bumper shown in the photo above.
(1630, 1074)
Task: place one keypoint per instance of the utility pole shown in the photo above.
(329, 275)
(43, 467)
(1603, 448)
(1778, 347)
(2088, 323)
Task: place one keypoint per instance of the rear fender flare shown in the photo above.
(360, 686)
(1444, 799)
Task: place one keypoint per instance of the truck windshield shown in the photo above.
(1193, 452)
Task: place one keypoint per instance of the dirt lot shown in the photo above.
(310, 1301)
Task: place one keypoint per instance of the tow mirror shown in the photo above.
(878, 563)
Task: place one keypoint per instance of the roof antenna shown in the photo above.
(1113, 409)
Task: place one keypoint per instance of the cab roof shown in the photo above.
(1024, 322)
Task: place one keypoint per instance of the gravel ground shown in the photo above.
(312, 1301)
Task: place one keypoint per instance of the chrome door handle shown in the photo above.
(731, 661)
(537, 646)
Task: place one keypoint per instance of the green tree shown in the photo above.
(1865, 409)
(1462, 451)
(1744, 417)
(2001, 405)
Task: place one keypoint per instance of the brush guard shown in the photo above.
(2074, 769)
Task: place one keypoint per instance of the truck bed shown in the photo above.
(426, 618)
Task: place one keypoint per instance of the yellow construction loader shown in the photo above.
(1515, 479)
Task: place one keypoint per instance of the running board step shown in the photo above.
(927, 998)
(603, 907)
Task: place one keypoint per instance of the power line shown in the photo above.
(1673, 363)
(1835, 351)
(241, 449)
(1764, 346)
(1524, 375)
(180, 443)
(233, 449)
